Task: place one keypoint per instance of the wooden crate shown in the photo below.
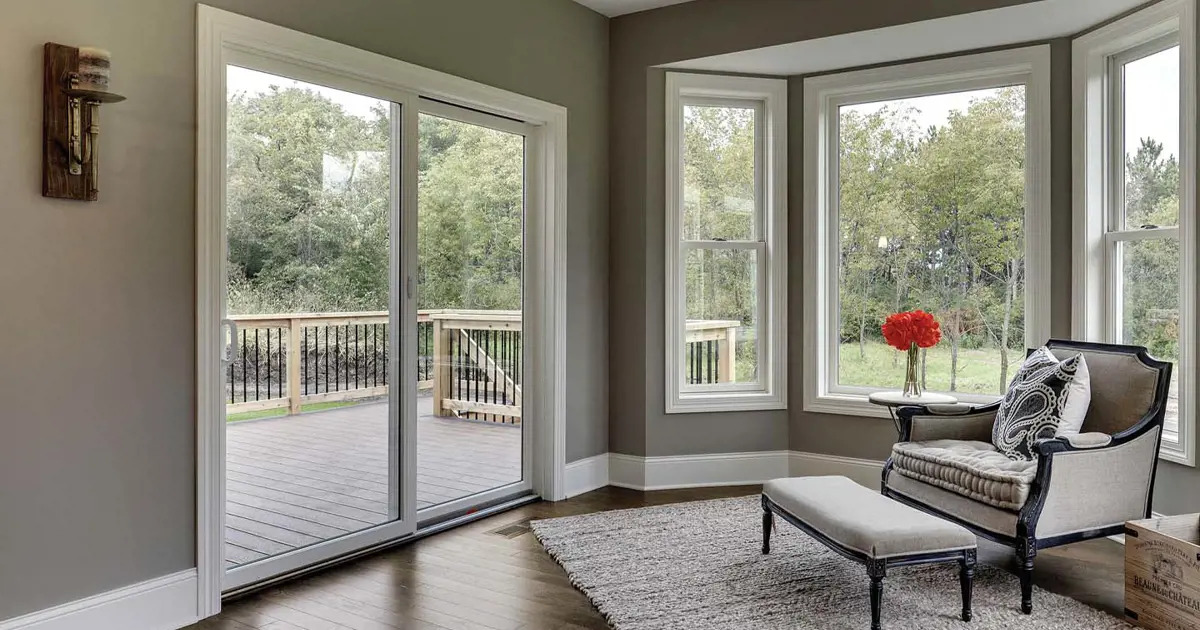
(1162, 572)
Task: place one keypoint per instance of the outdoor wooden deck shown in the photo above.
(298, 480)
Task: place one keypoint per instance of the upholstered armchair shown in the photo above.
(1079, 487)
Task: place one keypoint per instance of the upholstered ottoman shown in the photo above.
(869, 528)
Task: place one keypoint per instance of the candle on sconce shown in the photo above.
(94, 67)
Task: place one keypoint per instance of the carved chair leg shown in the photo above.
(1026, 551)
(966, 579)
(767, 521)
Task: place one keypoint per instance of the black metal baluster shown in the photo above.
(231, 388)
(245, 353)
(255, 364)
(504, 363)
(304, 359)
(355, 356)
(268, 364)
(386, 365)
(346, 355)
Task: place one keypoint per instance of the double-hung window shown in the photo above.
(725, 243)
(926, 187)
(1135, 143)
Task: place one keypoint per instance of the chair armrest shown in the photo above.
(1079, 441)
(1091, 481)
(947, 422)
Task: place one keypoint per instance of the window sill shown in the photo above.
(856, 404)
(725, 402)
(1175, 454)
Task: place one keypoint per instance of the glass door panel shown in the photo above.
(470, 235)
(310, 434)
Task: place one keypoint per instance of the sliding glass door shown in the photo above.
(358, 405)
(313, 433)
(471, 247)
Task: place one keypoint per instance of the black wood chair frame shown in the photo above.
(1026, 542)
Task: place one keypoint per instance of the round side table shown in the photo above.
(894, 399)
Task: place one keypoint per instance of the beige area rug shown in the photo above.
(699, 566)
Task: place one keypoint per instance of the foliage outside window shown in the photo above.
(723, 230)
(926, 188)
(931, 216)
(308, 202)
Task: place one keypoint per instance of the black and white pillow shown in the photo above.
(1032, 408)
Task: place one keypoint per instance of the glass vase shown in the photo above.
(912, 384)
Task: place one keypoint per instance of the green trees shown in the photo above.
(308, 200)
(934, 219)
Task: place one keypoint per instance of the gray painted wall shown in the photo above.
(97, 374)
(640, 41)
(707, 27)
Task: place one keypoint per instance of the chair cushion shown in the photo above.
(975, 470)
(1032, 408)
(864, 520)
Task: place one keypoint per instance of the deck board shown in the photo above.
(297, 480)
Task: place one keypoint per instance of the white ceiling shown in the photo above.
(998, 27)
(613, 8)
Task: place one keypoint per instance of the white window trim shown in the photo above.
(1092, 180)
(823, 96)
(769, 97)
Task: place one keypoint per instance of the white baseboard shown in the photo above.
(695, 471)
(866, 472)
(585, 475)
(717, 469)
(164, 603)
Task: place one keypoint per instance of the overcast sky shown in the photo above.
(1151, 101)
(1151, 98)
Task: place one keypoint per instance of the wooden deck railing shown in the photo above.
(471, 360)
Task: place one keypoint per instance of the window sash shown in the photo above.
(1099, 60)
(761, 317)
(1115, 81)
(768, 100)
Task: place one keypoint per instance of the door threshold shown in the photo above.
(427, 530)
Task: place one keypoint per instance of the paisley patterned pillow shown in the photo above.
(1032, 408)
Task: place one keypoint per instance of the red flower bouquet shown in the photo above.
(909, 331)
(902, 330)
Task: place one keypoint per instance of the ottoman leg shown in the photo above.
(966, 578)
(876, 569)
(876, 601)
(767, 522)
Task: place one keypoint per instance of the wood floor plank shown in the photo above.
(469, 577)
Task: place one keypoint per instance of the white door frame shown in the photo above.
(222, 36)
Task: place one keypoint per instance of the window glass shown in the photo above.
(721, 316)
(718, 165)
(931, 214)
(1151, 122)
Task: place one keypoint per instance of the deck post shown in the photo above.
(726, 353)
(295, 391)
(441, 366)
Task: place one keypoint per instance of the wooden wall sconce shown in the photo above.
(75, 84)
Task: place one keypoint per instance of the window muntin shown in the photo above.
(931, 211)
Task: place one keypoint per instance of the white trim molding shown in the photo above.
(1098, 178)
(734, 469)
(224, 38)
(866, 472)
(163, 603)
(587, 474)
(768, 99)
(823, 96)
(696, 471)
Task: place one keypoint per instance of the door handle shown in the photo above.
(227, 355)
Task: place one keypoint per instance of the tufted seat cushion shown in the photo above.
(975, 470)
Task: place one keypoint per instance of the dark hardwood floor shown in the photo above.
(472, 577)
